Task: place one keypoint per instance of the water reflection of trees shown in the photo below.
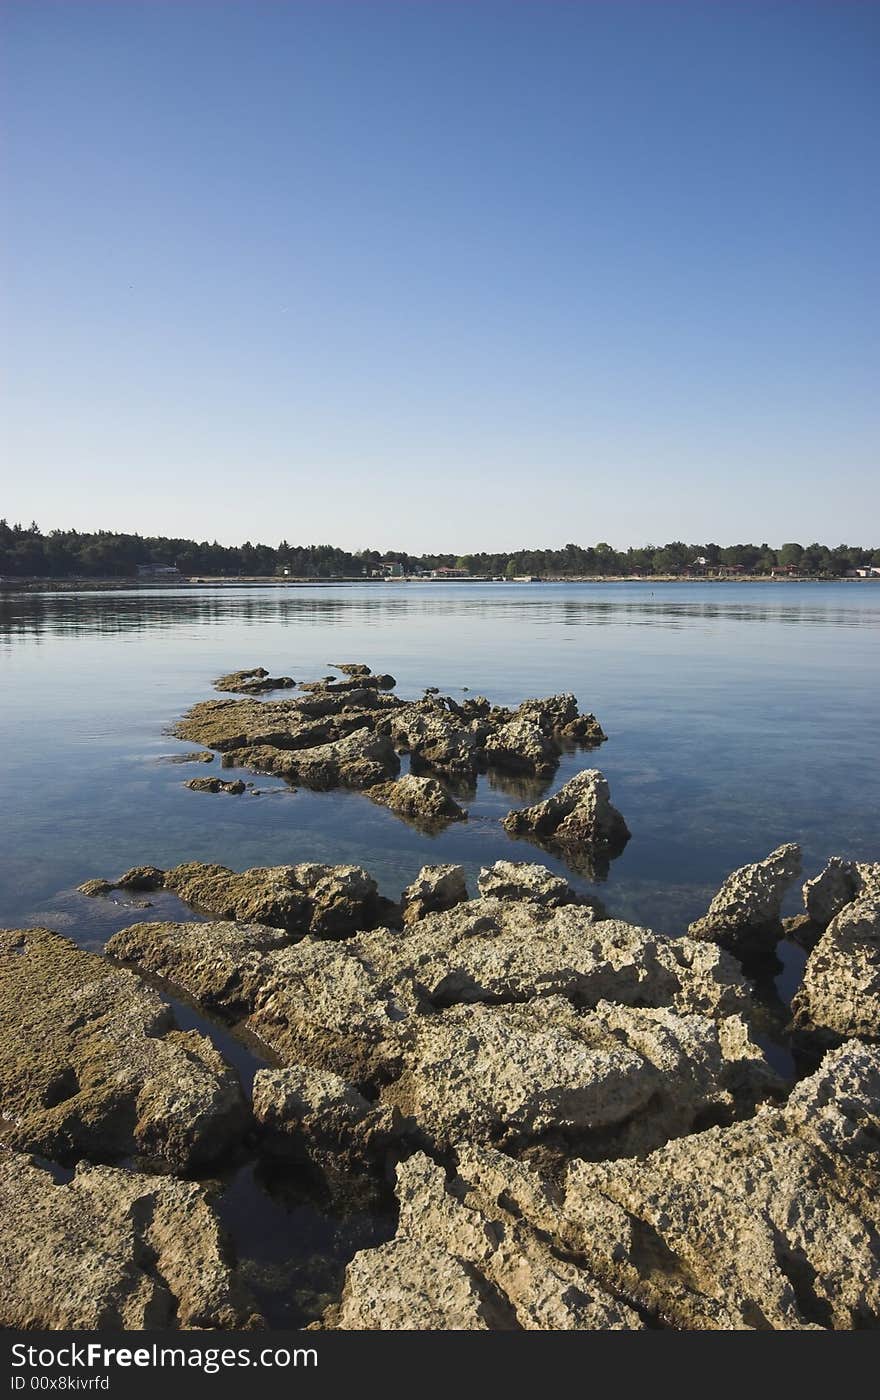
(58, 614)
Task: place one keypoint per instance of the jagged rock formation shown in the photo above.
(423, 801)
(745, 915)
(578, 822)
(91, 1062)
(435, 888)
(235, 788)
(112, 1249)
(840, 991)
(769, 1223)
(253, 682)
(839, 884)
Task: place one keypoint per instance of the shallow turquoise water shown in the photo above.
(739, 716)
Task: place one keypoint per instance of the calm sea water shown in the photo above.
(739, 716)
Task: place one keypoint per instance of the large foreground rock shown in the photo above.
(91, 1062)
(111, 1250)
(578, 822)
(312, 1115)
(839, 884)
(343, 1005)
(516, 880)
(769, 1223)
(608, 1082)
(840, 991)
(465, 1258)
(435, 888)
(745, 915)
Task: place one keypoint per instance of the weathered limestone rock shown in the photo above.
(112, 1249)
(95, 887)
(840, 991)
(521, 746)
(236, 788)
(221, 965)
(435, 888)
(342, 1005)
(351, 668)
(437, 739)
(91, 1062)
(839, 884)
(769, 1223)
(312, 1115)
(613, 1081)
(356, 680)
(330, 901)
(744, 916)
(463, 1261)
(421, 800)
(359, 760)
(578, 821)
(517, 879)
(253, 682)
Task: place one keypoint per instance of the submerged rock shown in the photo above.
(465, 1258)
(436, 887)
(110, 1250)
(840, 991)
(422, 800)
(578, 822)
(92, 1063)
(236, 788)
(839, 884)
(769, 1223)
(745, 915)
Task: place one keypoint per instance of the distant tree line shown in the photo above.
(25, 552)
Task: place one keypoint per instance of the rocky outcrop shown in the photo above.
(840, 991)
(360, 760)
(769, 1223)
(343, 1006)
(610, 1082)
(235, 788)
(112, 1249)
(309, 1115)
(330, 901)
(423, 801)
(91, 1062)
(745, 915)
(253, 682)
(435, 888)
(516, 880)
(839, 884)
(467, 1258)
(578, 822)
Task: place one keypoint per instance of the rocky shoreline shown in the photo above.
(579, 1116)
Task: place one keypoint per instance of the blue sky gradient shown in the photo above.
(443, 275)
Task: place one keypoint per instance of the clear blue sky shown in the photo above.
(443, 275)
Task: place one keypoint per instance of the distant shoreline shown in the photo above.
(129, 585)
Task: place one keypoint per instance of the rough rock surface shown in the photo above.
(330, 901)
(314, 1115)
(112, 1249)
(253, 682)
(435, 888)
(840, 991)
(578, 821)
(613, 1081)
(91, 1062)
(466, 1258)
(769, 1223)
(235, 788)
(359, 760)
(745, 915)
(344, 1005)
(839, 884)
(516, 879)
(421, 800)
